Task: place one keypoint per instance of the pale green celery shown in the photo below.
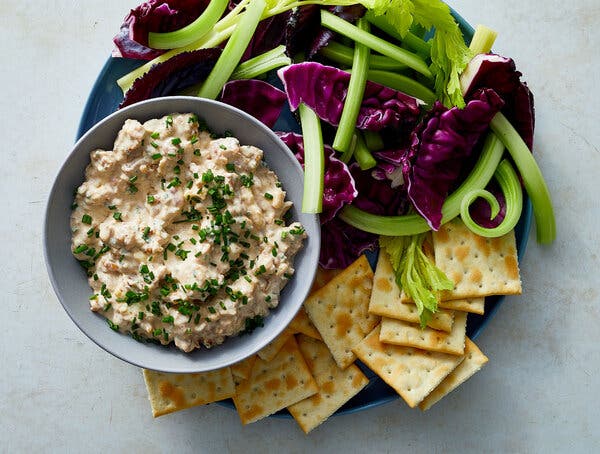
(410, 40)
(377, 44)
(254, 67)
(532, 177)
(192, 32)
(354, 95)
(510, 185)
(373, 140)
(404, 84)
(483, 40)
(314, 160)
(412, 224)
(233, 51)
(339, 53)
(211, 39)
(347, 155)
(362, 154)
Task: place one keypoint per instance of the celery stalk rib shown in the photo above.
(314, 160)
(233, 51)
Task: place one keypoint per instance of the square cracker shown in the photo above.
(274, 385)
(398, 332)
(243, 368)
(322, 277)
(173, 392)
(385, 299)
(336, 386)
(268, 352)
(413, 373)
(339, 310)
(302, 324)
(473, 362)
(478, 266)
(472, 305)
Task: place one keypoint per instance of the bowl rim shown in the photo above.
(51, 271)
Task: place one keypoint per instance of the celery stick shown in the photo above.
(513, 195)
(531, 174)
(404, 84)
(192, 32)
(363, 155)
(411, 40)
(377, 44)
(354, 95)
(412, 224)
(233, 51)
(483, 40)
(314, 160)
(373, 140)
(341, 54)
(275, 58)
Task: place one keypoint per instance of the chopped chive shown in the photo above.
(268, 196)
(176, 141)
(150, 198)
(86, 219)
(117, 216)
(156, 156)
(155, 135)
(154, 144)
(81, 248)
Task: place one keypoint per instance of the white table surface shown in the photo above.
(539, 392)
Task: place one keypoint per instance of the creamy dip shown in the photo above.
(183, 235)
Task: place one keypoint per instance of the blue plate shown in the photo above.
(106, 96)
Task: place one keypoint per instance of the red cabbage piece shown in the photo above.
(306, 22)
(500, 74)
(256, 97)
(172, 76)
(481, 212)
(269, 34)
(440, 149)
(153, 16)
(338, 188)
(324, 88)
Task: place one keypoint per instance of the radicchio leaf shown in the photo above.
(500, 74)
(172, 76)
(338, 188)
(256, 97)
(324, 88)
(440, 148)
(269, 34)
(153, 16)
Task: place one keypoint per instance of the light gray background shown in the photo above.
(539, 393)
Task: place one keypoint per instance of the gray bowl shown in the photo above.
(69, 279)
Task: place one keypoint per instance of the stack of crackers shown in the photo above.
(310, 368)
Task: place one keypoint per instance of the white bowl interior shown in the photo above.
(69, 279)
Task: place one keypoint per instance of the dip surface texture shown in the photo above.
(182, 235)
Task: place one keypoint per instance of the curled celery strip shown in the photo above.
(343, 55)
(511, 188)
(332, 22)
(314, 160)
(354, 95)
(233, 51)
(412, 224)
(532, 178)
(192, 32)
(373, 140)
(404, 84)
(261, 64)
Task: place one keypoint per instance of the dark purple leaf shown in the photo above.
(342, 244)
(153, 16)
(260, 99)
(440, 149)
(481, 212)
(269, 34)
(172, 76)
(324, 88)
(500, 74)
(338, 188)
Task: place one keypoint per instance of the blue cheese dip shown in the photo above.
(183, 235)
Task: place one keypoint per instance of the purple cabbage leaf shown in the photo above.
(500, 74)
(153, 16)
(256, 97)
(441, 147)
(324, 88)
